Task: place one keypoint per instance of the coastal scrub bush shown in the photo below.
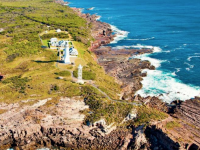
(17, 83)
(90, 92)
(103, 108)
(57, 35)
(72, 90)
(64, 73)
(147, 114)
(12, 57)
(172, 124)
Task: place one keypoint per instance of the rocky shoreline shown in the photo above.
(128, 73)
(61, 125)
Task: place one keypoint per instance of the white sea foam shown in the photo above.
(174, 73)
(188, 69)
(166, 51)
(190, 66)
(177, 31)
(154, 62)
(159, 83)
(98, 17)
(141, 39)
(139, 46)
(165, 86)
(189, 58)
(178, 70)
(120, 34)
(92, 8)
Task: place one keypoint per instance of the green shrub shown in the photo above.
(103, 108)
(57, 35)
(12, 57)
(72, 90)
(172, 124)
(64, 73)
(17, 83)
(55, 87)
(147, 114)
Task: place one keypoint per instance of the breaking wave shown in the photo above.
(189, 58)
(164, 84)
(120, 34)
(166, 87)
(141, 39)
(139, 46)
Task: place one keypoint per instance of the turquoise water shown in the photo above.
(171, 26)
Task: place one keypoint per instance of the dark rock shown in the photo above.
(159, 139)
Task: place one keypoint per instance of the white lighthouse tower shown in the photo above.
(80, 80)
(66, 54)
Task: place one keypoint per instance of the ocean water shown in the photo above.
(171, 26)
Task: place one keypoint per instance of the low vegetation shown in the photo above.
(56, 35)
(52, 102)
(17, 83)
(31, 71)
(100, 107)
(63, 73)
(147, 114)
(172, 124)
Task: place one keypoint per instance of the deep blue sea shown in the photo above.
(171, 26)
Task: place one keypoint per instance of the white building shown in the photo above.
(73, 51)
(66, 55)
(62, 43)
(53, 41)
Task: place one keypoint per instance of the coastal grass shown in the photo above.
(173, 124)
(102, 108)
(45, 43)
(31, 72)
(63, 73)
(148, 114)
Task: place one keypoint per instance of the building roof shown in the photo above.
(53, 39)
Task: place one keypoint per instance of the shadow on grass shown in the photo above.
(50, 61)
(1, 77)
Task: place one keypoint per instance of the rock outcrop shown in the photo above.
(127, 72)
(189, 111)
(53, 123)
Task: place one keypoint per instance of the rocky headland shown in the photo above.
(181, 129)
(59, 122)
